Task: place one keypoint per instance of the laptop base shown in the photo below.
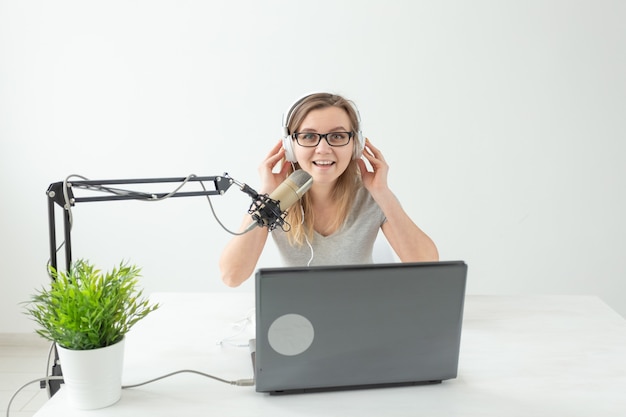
(352, 387)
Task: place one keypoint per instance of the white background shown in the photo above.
(503, 123)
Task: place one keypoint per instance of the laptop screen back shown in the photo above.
(356, 326)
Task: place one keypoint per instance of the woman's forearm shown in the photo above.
(240, 256)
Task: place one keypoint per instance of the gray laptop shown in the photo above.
(357, 326)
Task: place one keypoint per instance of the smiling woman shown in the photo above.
(338, 220)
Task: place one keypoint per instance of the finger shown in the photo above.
(365, 169)
(276, 153)
(373, 150)
(370, 156)
(275, 159)
(362, 166)
(284, 169)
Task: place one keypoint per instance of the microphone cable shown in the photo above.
(306, 238)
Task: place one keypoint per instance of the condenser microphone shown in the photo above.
(270, 210)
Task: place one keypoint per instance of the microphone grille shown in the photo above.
(300, 177)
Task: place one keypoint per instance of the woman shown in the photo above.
(338, 219)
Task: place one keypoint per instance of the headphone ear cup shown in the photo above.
(359, 145)
(290, 155)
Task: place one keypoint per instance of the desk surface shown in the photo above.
(520, 356)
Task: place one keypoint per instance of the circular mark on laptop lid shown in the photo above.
(291, 334)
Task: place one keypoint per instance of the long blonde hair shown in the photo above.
(301, 221)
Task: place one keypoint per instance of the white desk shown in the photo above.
(520, 356)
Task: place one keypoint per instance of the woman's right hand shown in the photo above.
(269, 179)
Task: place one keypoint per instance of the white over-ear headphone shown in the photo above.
(290, 154)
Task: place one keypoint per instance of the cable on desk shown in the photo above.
(240, 326)
(40, 380)
(238, 382)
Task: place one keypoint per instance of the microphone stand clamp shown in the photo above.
(264, 207)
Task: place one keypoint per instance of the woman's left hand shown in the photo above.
(375, 180)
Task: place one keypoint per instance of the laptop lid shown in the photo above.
(357, 326)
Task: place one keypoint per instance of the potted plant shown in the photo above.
(87, 313)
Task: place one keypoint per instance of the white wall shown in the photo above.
(503, 123)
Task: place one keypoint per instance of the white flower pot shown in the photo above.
(92, 378)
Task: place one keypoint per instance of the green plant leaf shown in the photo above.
(87, 309)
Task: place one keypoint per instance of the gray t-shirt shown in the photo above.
(351, 244)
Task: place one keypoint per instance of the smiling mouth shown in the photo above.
(323, 163)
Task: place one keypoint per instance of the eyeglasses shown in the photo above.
(311, 140)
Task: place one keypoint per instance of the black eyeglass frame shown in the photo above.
(321, 136)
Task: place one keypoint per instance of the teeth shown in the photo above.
(323, 162)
